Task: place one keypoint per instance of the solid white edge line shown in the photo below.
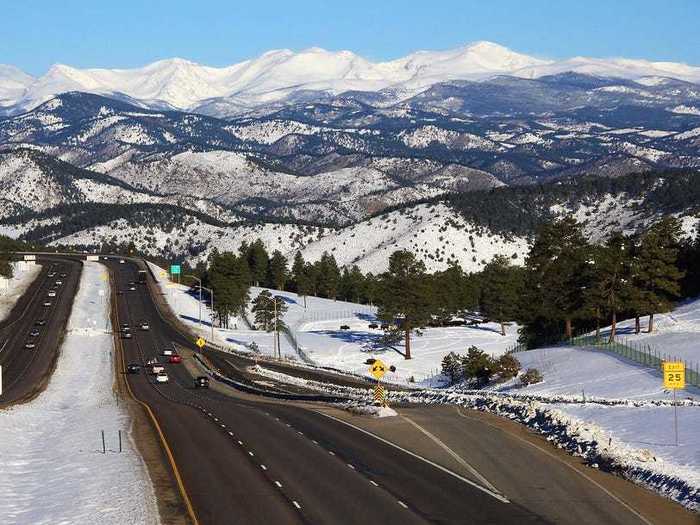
(547, 453)
(495, 495)
(456, 456)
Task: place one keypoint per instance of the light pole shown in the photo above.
(200, 296)
(211, 296)
(276, 337)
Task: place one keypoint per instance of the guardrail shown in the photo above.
(267, 393)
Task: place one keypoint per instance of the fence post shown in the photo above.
(120, 441)
(104, 448)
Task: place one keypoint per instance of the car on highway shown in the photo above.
(175, 359)
(145, 326)
(162, 378)
(126, 335)
(40, 322)
(47, 303)
(59, 282)
(51, 275)
(121, 261)
(168, 352)
(29, 344)
(201, 382)
(125, 327)
(34, 333)
(344, 327)
(51, 294)
(133, 368)
(64, 275)
(132, 288)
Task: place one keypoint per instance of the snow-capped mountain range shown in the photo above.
(281, 75)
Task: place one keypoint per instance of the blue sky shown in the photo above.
(130, 33)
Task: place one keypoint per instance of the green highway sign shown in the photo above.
(174, 269)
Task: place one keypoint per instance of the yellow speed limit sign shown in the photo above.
(674, 375)
(378, 369)
(200, 342)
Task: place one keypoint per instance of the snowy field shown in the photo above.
(53, 469)
(317, 331)
(12, 289)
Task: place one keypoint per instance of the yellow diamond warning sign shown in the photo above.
(200, 342)
(378, 369)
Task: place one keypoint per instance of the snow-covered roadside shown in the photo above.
(53, 469)
(12, 289)
(315, 323)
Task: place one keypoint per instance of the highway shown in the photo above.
(238, 458)
(27, 370)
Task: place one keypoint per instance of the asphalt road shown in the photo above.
(245, 459)
(26, 370)
(248, 461)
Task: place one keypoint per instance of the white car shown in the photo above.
(157, 369)
(59, 283)
(51, 294)
(121, 261)
(47, 303)
(162, 378)
(168, 352)
(145, 326)
(30, 345)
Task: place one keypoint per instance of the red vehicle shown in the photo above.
(175, 359)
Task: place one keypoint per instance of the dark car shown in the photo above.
(373, 325)
(34, 333)
(201, 382)
(40, 322)
(344, 327)
(133, 368)
(126, 335)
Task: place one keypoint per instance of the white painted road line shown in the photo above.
(349, 465)
(278, 484)
(452, 453)
(331, 453)
(495, 495)
(250, 454)
(402, 504)
(374, 483)
(296, 505)
(263, 467)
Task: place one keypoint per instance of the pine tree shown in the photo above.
(658, 276)
(612, 282)
(405, 294)
(258, 260)
(298, 268)
(452, 367)
(328, 276)
(555, 275)
(277, 272)
(269, 310)
(501, 290)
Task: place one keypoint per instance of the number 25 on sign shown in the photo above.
(674, 375)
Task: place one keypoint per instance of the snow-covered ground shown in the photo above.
(320, 339)
(12, 289)
(53, 469)
(591, 381)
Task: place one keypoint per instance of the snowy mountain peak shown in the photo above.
(276, 75)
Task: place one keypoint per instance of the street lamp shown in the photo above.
(276, 338)
(200, 296)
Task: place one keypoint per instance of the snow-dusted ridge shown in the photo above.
(277, 74)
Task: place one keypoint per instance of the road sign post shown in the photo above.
(175, 270)
(674, 379)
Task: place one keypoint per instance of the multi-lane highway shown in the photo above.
(241, 459)
(43, 310)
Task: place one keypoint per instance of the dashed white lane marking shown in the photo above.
(250, 454)
(374, 483)
(300, 433)
(331, 453)
(351, 466)
(495, 495)
(230, 433)
(240, 442)
(315, 442)
(296, 505)
(223, 426)
(288, 425)
(278, 484)
(402, 504)
(263, 467)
